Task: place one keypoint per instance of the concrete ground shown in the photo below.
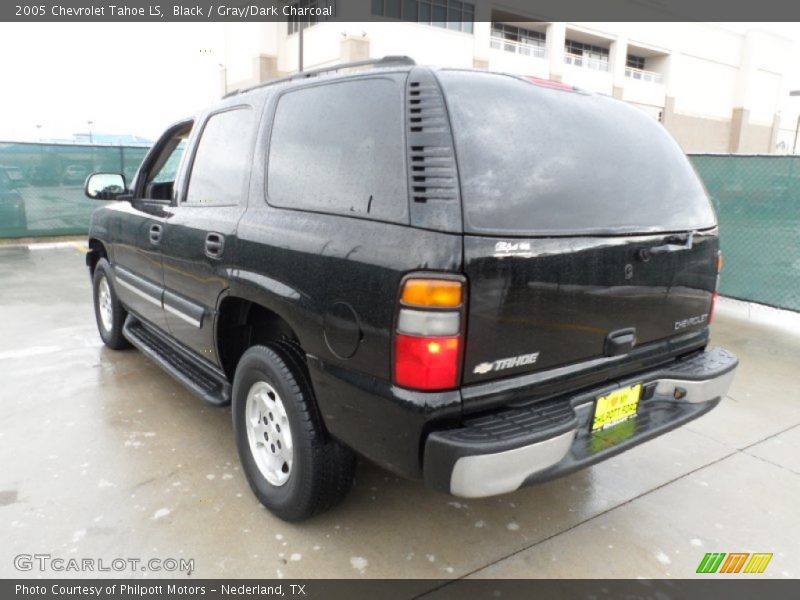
(105, 456)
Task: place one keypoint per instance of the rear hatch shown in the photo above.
(587, 232)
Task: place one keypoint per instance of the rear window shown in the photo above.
(535, 160)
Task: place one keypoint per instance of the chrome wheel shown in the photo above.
(268, 433)
(104, 305)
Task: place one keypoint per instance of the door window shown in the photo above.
(160, 178)
(221, 165)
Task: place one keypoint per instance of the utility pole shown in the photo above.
(797, 126)
(301, 26)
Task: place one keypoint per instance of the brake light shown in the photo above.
(715, 295)
(713, 306)
(549, 83)
(428, 339)
(426, 363)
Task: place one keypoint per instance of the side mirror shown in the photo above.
(105, 186)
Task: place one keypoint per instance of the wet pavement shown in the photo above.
(104, 456)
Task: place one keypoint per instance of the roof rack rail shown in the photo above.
(385, 61)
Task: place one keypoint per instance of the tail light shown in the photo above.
(715, 296)
(428, 341)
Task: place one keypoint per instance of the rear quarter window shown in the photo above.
(541, 161)
(339, 148)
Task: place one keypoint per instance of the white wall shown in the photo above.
(243, 43)
(508, 62)
(702, 87)
(708, 69)
(425, 44)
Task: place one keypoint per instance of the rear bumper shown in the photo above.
(507, 449)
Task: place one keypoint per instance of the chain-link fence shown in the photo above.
(757, 199)
(758, 204)
(41, 185)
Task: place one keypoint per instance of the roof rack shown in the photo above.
(386, 61)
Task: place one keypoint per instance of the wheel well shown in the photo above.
(96, 252)
(241, 324)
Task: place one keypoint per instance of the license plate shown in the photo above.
(618, 406)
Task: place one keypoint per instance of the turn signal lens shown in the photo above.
(720, 263)
(431, 293)
(426, 363)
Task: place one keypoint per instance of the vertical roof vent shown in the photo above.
(434, 197)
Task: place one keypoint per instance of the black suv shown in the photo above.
(474, 279)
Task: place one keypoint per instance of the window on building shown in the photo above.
(586, 56)
(222, 161)
(338, 148)
(297, 23)
(587, 50)
(518, 40)
(450, 14)
(635, 62)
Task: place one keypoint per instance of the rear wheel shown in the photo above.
(294, 468)
(108, 310)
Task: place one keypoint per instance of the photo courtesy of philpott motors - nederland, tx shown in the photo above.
(135, 589)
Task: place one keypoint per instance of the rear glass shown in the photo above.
(534, 160)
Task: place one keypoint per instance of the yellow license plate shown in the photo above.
(618, 406)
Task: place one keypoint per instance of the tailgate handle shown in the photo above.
(620, 341)
(687, 245)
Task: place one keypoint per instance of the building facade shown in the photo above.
(714, 89)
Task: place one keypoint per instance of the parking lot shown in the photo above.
(105, 456)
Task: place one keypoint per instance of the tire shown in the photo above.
(108, 310)
(308, 472)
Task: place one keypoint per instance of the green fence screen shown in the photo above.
(757, 199)
(41, 185)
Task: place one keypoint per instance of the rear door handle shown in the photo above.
(155, 234)
(215, 245)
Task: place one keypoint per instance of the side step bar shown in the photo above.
(204, 381)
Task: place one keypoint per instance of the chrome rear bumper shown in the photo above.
(499, 453)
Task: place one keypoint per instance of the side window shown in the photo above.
(169, 171)
(160, 179)
(340, 148)
(222, 161)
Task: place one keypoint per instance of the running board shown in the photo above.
(204, 381)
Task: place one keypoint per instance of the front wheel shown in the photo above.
(108, 310)
(293, 467)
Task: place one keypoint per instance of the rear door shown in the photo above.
(199, 239)
(587, 232)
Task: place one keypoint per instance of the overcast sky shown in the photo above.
(136, 78)
(126, 78)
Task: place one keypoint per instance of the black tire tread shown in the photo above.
(333, 464)
(113, 339)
